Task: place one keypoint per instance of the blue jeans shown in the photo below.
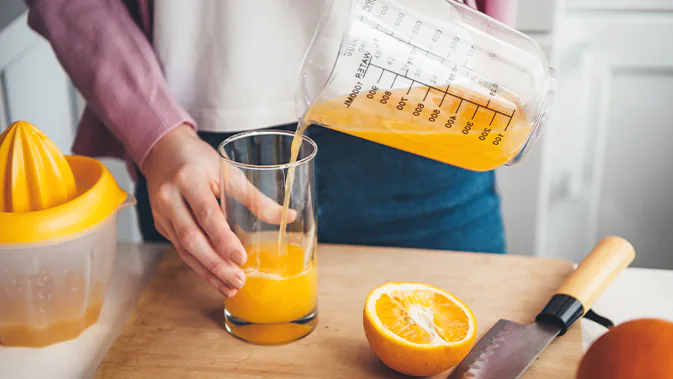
(370, 194)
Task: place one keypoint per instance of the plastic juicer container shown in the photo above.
(58, 240)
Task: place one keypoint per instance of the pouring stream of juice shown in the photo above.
(289, 181)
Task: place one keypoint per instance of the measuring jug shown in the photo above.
(432, 77)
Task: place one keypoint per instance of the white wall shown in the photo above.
(607, 158)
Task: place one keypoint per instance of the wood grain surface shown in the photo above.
(177, 329)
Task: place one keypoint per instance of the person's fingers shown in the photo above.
(160, 225)
(166, 229)
(240, 188)
(210, 217)
(191, 238)
(189, 259)
(200, 269)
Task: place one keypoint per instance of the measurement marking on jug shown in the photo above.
(402, 103)
(497, 139)
(364, 66)
(434, 115)
(443, 97)
(392, 34)
(354, 93)
(379, 76)
(470, 54)
(484, 134)
(461, 103)
(426, 93)
(493, 119)
(467, 127)
(372, 92)
(450, 122)
(510, 120)
(444, 91)
(475, 111)
(428, 52)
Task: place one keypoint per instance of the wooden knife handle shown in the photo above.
(593, 275)
(598, 270)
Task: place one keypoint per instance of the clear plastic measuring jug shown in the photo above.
(432, 77)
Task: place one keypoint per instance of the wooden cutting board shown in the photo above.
(177, 329)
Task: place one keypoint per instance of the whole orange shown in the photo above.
(636, 349)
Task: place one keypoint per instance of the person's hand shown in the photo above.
(183, 184)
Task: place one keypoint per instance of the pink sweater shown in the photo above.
(111, 62)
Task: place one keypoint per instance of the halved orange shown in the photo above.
(417, 329)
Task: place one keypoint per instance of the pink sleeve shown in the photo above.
(503, 10)
(113, 66)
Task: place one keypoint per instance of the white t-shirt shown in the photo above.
(234, 64)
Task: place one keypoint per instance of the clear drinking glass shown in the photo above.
(278, 303)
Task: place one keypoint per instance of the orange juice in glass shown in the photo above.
(278, 303)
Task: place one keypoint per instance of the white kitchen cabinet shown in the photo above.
(606, 160)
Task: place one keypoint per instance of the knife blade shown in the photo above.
(509, 348)
(506, 351)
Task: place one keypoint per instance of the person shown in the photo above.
(167, 81)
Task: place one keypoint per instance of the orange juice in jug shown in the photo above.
(455, 125)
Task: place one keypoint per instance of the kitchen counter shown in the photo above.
(636, 293)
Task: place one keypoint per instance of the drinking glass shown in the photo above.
(278, 302)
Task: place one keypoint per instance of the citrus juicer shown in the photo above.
(435, 78)
(58, 220)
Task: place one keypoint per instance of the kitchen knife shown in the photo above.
(509, 348)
